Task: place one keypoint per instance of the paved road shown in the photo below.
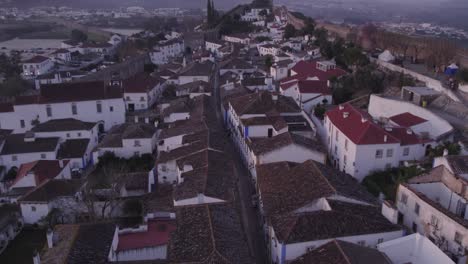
(245, 188)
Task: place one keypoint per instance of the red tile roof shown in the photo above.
(312, 86)
(36, 59)
(406, 137)
(42, 169)
(359, 127)
(407, 120)
(72, 92)
(158, 234)
(6, 107)
(140, 83)
(308, 69)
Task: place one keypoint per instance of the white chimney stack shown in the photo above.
(345, 115)
(385, 138)
(446, 152)
(60, 163)
(341, 107)
(36, 258)
(50, 238)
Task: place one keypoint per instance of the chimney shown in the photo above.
(446, 152)
(385, 138)
(345, 114)
(61, 165)
(274, 97)
(136, 119)
(341, 107)
(50, 238)
(363, 119)
(36, 257)
(409, 132)
(146, 120)
(328, 83)
(29, 136)
(389, 129)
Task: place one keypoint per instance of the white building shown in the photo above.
(164, 51)
(308, 205)
(37, 65)
(436, 127)
(269, 49)
(60, 194)
(141, 91)
(153, 240)
(195, 71)
(128, 140)
(62, 55)
(58, 77)
(308, 94)
(359, 146)
(415, 249)
(434, 205)
(18, 149)
(243, 39)
(85, 101)
(280, 69)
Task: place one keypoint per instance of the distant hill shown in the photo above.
(222, 4)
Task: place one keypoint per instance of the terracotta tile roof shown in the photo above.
(262, 102)
(305, 87)
(264, 145)
(92, 244)
(197, 69)
(407, 119)
(342, 220)
(157, 234)
(286, 186)
(237, 64)
(212, 175)
(52, 189)
(341, 252)
(42, 169)
(306, 68)
(459, 164)
(140, 83)
(437, 206)
(196, 87)
(117, 134)
(6, 107)
(15, 144)
(72, 92)
(358, 126)
(36, 59)
(208, 234)
(73, 148)
(67, 124)
(406, 137)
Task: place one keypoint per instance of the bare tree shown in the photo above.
(103, 190)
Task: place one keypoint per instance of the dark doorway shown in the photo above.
(131, 107)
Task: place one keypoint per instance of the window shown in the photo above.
(22, 123)
(270, 132)
(380, 240)
(346, 144)
(416, 208)
(14, 158)
(389, 153)
(378, 154)
(404, 198)
(362, 243)
(49, 110)
(461, 208)
(79, 134)
(415, 227)
(142, 99)
(388, 166)
(43, 156)
(99, 107)
(336, 135)
(406, 152)
(336, 149)
(74, 109)
(68, 135)
(111, 108)
(345, 159)
(137, 143)
(33, 208)
(458, 238)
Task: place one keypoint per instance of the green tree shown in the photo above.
(319, 111)
(462, 75)
(14, 86)
(289, 31)
(78, 35)
(268, 61)
(263, 13)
